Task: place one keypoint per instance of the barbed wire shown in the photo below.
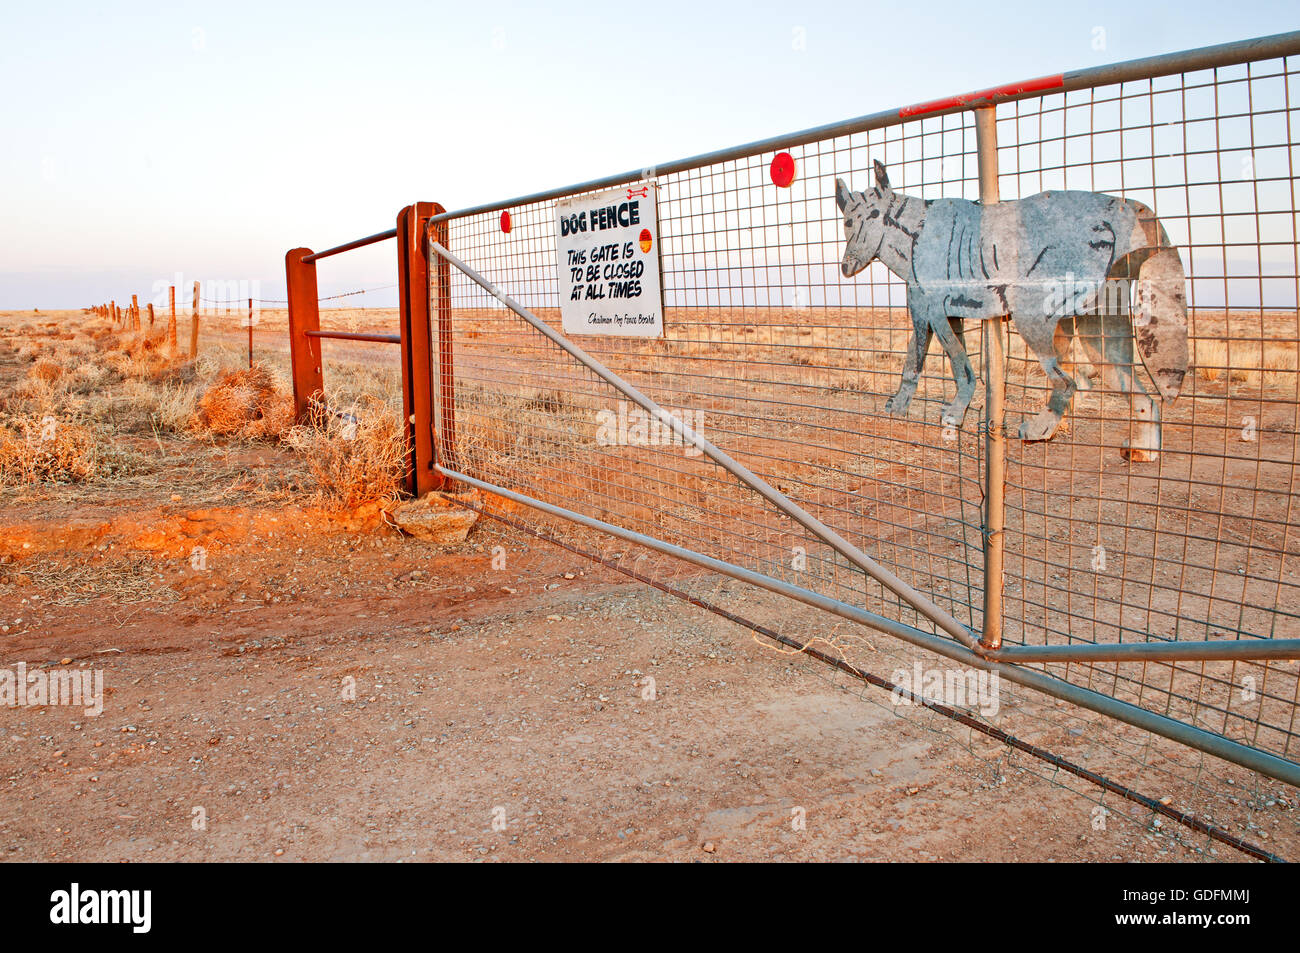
(238, 301)
(349, 294)
(234, 302)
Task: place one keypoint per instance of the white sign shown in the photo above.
(607, 249)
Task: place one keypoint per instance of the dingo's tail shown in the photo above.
(1160, 320)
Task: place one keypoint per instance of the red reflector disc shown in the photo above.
(782, 170)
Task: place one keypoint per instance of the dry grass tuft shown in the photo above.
(125, 579)
(247, 403)
(45, 370)
(144, 357)
(1270, 363)
(36, 449)
(176, 407)
(356, 458)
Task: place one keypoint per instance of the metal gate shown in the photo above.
(749, 451)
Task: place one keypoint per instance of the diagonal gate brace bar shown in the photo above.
(1254, 649)
(918, 601)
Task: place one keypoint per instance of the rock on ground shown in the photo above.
(437, 517)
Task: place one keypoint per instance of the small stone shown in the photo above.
(708, 847)
(65, 661)
(279, 852)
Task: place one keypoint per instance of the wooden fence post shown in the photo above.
(194, 325)
(135, 312)
(171, 321)
(151, 314)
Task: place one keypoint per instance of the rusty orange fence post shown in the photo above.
(304, 316)
(171, 320)
(151, 314)
(417, 344)
(135, 312)
(112, 309)
(194, 324)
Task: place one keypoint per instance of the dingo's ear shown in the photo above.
(841, 194)
(882, 177)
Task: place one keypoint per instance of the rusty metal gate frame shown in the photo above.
(414, 337)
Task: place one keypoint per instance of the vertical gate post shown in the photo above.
(304, 316)
(995, 384)
(417, 345)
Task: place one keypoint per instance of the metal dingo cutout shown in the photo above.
(1059, 263)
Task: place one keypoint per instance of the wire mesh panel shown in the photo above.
(767, 351)
(1194, 539)
(1140, 519)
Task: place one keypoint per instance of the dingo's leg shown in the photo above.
(1108, 341)
(1050, 342)
(950, 334)
(913, 362)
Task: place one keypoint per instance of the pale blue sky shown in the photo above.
(146, 139)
